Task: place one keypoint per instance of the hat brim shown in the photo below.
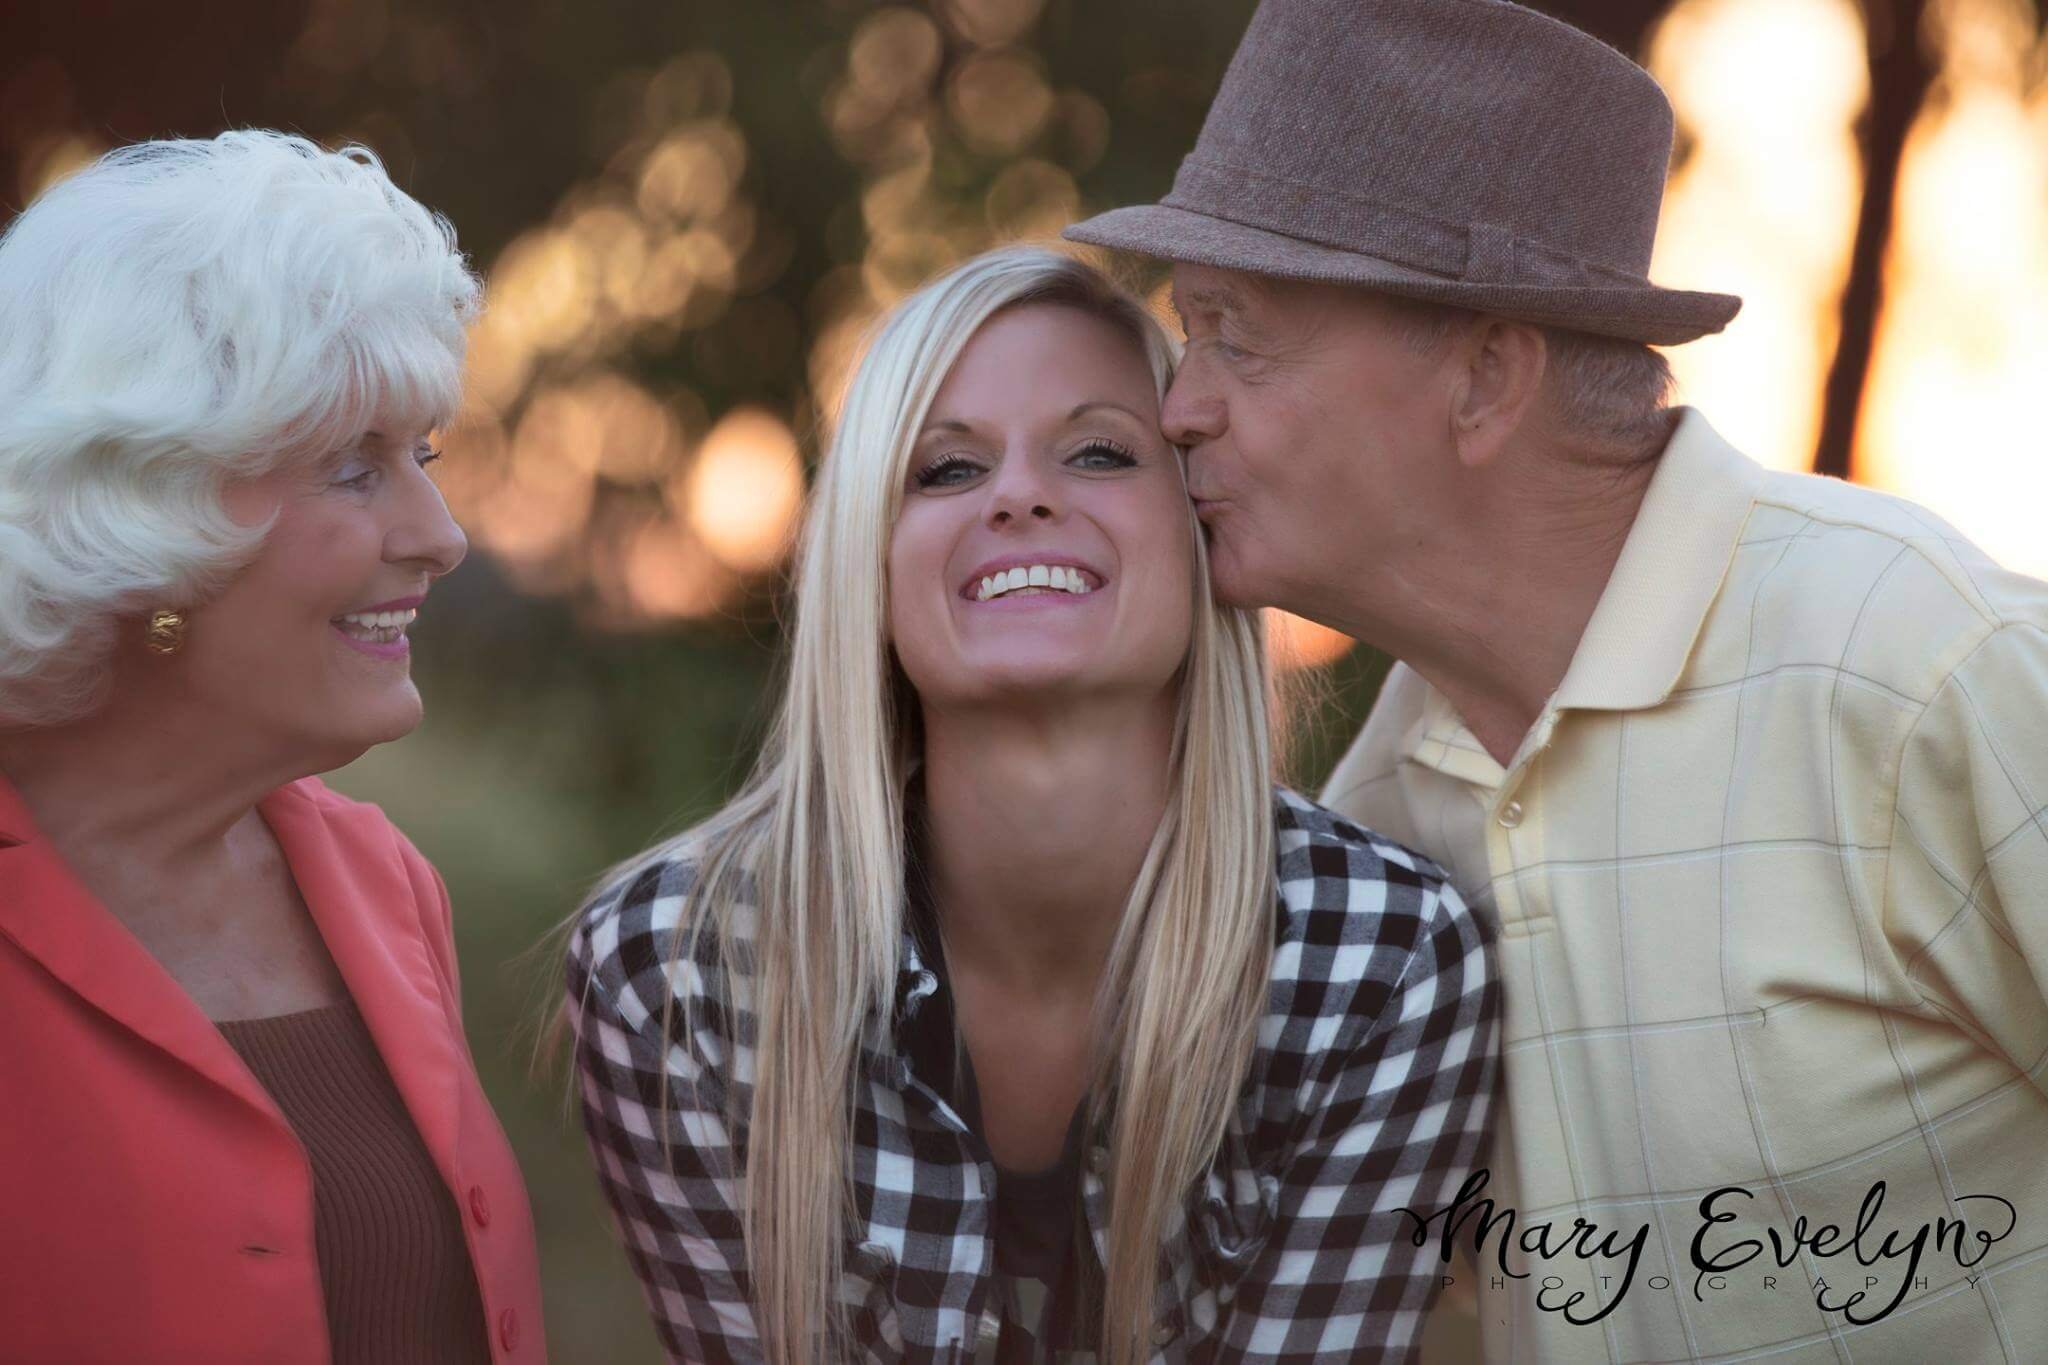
(1647, 313)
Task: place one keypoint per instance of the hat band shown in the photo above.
(1475, 253)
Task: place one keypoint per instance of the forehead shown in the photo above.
(1045, 355)
(1282, 310)
(1211, 289)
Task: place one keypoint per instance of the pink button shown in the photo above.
(479, 1206)
(508, 1329)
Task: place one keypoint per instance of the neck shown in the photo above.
(1490, 610)
(158, 783)
(1039, 822)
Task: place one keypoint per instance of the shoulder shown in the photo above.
(643, 938)
(1360, 917)
(345, 817)
(1874, 582)
(360, 833)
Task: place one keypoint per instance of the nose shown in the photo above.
(1194, 411)
(1020, 493)
(425, 532)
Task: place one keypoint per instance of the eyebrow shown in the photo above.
(1083, 409)
(1214, 298)
(954, 426)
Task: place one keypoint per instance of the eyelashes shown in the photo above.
(940, 468)
(940, 471)
(422, 457)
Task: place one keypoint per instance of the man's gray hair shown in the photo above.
(1607, 395)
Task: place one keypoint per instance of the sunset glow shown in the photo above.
(1763, 205)
(1963, 351)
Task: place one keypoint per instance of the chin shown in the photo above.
(1020, 677)
(370, 726)
(1232, 586)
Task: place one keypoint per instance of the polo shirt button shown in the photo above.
(479, 1206)
(508, 1329)
(1511, 815)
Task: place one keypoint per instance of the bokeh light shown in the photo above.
(1297, 642)
(1948, 415)
(1767, 93)
(742, 492)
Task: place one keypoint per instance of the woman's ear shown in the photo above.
(1502, 374)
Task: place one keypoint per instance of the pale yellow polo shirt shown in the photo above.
(1771, 879)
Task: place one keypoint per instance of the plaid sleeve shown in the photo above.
(677, 1211)
(1403, 1118)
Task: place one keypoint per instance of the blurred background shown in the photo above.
(687, 212)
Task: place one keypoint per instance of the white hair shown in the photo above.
(178, 314)
(1607, 395)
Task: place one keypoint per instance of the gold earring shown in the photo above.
(166, 630)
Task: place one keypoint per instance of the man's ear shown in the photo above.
(1496, 392)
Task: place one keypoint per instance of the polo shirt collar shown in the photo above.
(1672, 565)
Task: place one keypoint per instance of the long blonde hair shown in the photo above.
(815, 843)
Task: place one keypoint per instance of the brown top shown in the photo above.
(394, 1267)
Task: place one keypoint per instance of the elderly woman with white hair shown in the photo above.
(245, 1124)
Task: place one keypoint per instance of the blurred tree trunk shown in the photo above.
(1622, 24)
(1900, 77)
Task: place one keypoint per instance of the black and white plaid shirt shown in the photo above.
(1369, 1091)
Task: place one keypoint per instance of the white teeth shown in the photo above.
(1059, 577)
(380, 620)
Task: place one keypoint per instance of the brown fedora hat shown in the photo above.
(1468, 152)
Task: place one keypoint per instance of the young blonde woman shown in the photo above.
(1010, 1012)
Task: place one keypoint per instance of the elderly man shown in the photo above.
(1747, 768)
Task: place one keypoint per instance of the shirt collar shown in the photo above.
(1636, 643)
(1642, 631)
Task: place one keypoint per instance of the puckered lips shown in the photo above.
(1032, 578)
(379, 630)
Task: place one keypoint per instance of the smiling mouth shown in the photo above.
(376, 627)
(1033, 580)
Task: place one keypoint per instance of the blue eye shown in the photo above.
(1111, 455)
(947, 470)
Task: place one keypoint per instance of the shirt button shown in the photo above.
(479, 1206)
(1162, 1334)
(1511, 815)
(508, 1329)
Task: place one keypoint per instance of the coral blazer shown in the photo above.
(154, 1203)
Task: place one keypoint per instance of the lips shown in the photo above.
(395, 604)
(1090, 577)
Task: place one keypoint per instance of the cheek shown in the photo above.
(1155, 538)
(313, 564)
(916, 572)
